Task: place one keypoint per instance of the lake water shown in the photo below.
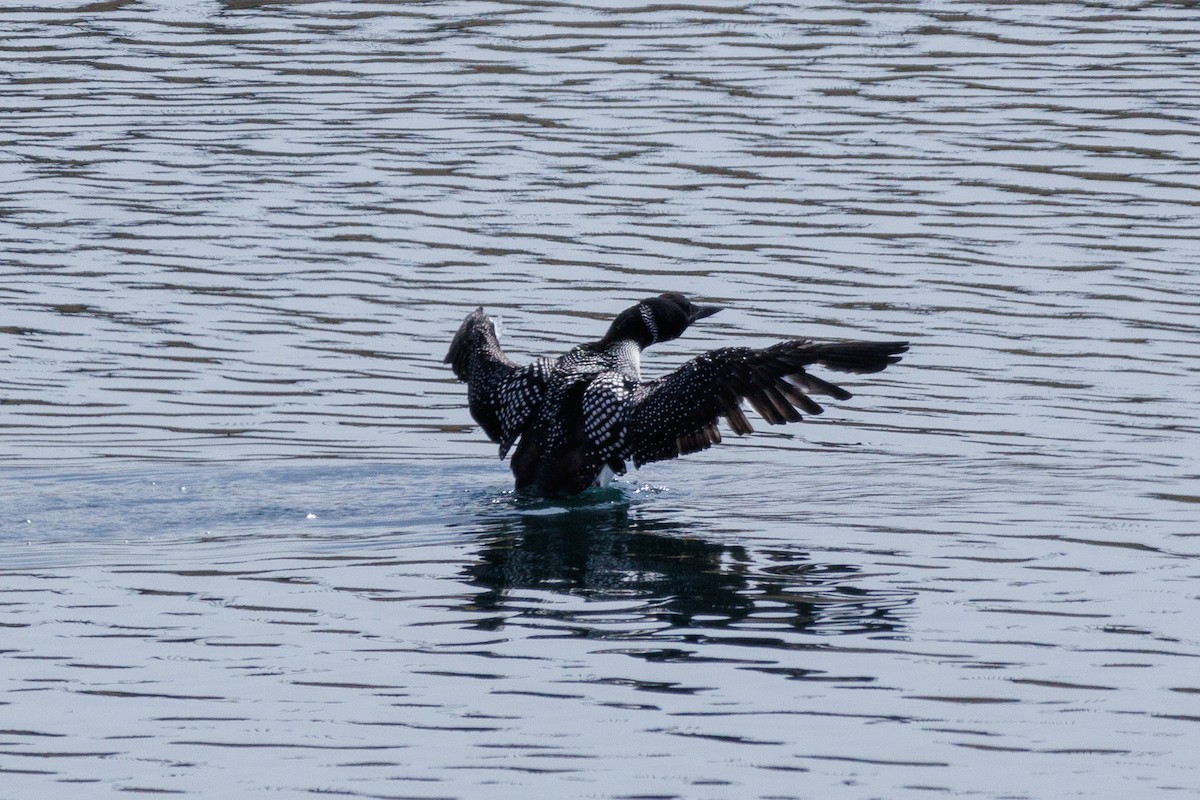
(252, 544)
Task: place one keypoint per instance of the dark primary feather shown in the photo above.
(678, 414)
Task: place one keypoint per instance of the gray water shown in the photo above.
(252, 544)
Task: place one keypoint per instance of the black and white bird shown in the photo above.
(582, 416)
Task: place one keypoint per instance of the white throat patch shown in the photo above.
(627, 358)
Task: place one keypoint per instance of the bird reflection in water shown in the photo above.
(670, 575)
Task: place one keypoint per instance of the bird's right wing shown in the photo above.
(502, 395)
(677, 415)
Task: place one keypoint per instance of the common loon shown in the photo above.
(581, 416)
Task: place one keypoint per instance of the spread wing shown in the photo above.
(502, 395)
(678, 414)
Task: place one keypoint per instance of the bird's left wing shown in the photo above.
(502, 395)
(678, 414)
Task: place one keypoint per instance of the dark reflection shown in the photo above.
(669, 574)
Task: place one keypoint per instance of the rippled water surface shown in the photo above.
(252, 544)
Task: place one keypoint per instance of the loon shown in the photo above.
(581, 416)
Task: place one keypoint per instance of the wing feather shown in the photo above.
(501, 394)
(678, 414)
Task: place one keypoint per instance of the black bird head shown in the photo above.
(656, 319)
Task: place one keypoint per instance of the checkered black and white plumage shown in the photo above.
(582, 416)
(501, 395)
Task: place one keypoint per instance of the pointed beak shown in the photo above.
(700, 312)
